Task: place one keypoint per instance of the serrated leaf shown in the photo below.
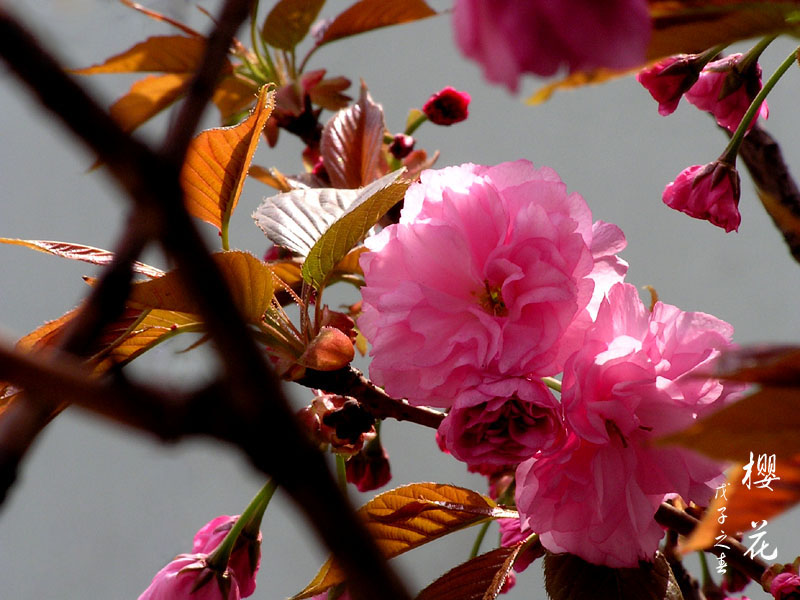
(764, 422)
(232, 96)
(72, 251)
(408, 517)
(742, 506)
(217, 161)
(568, 577)
(148, 97)
(352, 141)
(346, 232)
(367, 15)
(296, 220)
(271, 177)
(480, 578)
(249, 280)
(166, 54)
(289, 21)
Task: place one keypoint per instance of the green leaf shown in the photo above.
(289, 21)
(480, 578)
(408, 517)
(296, 220)
(346, 232)
(568, 577)
(367, 15)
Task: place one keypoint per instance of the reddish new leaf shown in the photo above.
(159, 17)
(768, 365)
(217, 161)
(408, 517)
(166, 54)
(367, 15)
(148, 97)
(89, 254)
(289, 21)
(480, 578)
(351, 143)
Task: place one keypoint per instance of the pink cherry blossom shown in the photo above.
(245, 558)
(502, 422)
(512, 532)
(726, 91)
(669, 79)
(188, 577)
(490, 270)
(634, 379)
(785, 586)
(508, 37)
(709, 192)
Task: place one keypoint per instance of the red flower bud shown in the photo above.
(447, 106)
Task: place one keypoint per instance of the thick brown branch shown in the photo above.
(351, 382)
(777, 189)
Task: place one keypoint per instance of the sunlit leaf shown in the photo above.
(764, 422)
(217, 161)
(166, 54)
(249, 280)
(89, 254)
(568, 577)
(480, 578)
(148, 97)
(351, 143)
(346, 232)
(574, 80)
(271, 177)
(296, 220)
(232, 96)
(47, 335)
(289, 21)
(743, 505)
(367, 15)
(408, 517)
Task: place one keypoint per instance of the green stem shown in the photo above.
(552, 383)
(223, 231)
(476, 547)
(250, 517)
(707, 580)
(729, 154)
(414, 125)
(264, 59)
(341, 472)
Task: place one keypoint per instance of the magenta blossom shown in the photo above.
(709, 192)
(512, 532)
(726, 88)
(637, 377)
(785, 586)
(447, 106)
(245, 558)
(668, 79)
(509, 37)
(188, 576)
(490, 270)
(502, 422)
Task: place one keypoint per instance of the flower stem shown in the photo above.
(264, 59)
(341, 472)
(729, 154)
(250, 518)
(707, 580)
(414, 125)
(552, 383)
(476, 547)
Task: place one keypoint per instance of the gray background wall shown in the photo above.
(98, 510)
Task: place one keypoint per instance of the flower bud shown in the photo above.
(401, 146)
(669, 79)
(447, 106)
(369, 469)
(709, 192)
(189, 576)
(245, 558)
(337, 421)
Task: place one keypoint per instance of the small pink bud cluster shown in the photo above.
(193, 577)
(338, 422)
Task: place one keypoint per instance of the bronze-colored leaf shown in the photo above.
(148, 97)
(408, 517)
(480, 578)
(271, 177)
(289, 21)
(166, 54)
(568, 577)
(232, 96)
(351, 143)
(367, 15)
(574, 80)
(249, 279)
(742, 505)
(768, 365)
(89, 254)
(160, 17)
(217, 161)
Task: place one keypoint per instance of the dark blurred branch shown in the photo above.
(248, 406)
(776, 188)
(351, 382)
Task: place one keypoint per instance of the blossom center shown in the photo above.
(491, 300)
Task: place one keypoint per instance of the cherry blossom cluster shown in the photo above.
(495, 280)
